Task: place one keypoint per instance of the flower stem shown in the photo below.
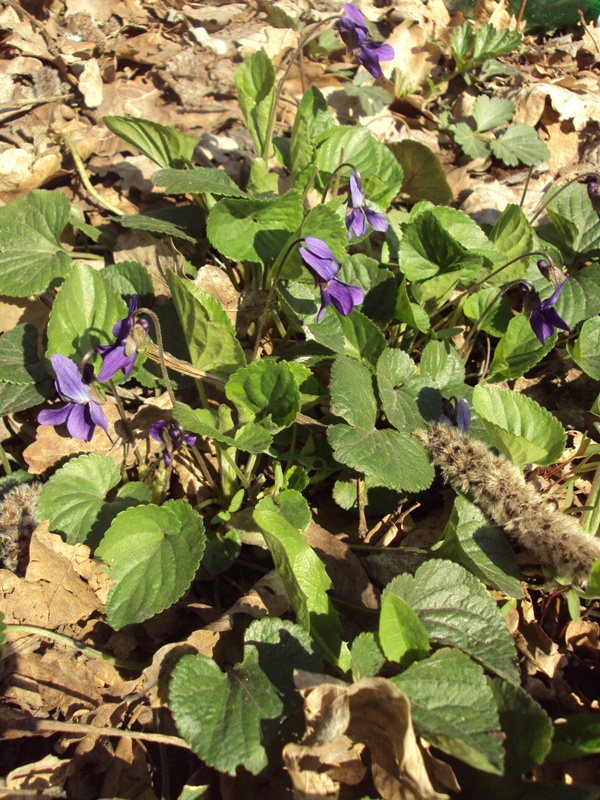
(123, 414)
(84, 177)
(333, 175)
(277, 267)
(160, 349)
(83, 648)
(547, 200)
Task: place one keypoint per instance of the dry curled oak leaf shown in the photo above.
(342, 720)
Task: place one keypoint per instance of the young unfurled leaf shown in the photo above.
(312, 118)
(367, 656)
(255, 81)
(163, 144)
(305, 580)
(586, 350)
(209, 333)
(520, 428)
(402, 635)
(32, 259)
(241, 717)
(153, 553)
(456, 609)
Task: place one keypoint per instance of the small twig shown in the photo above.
(587, 29)
(15, 107)
(521, 12)
(360, 499)
(53, 726)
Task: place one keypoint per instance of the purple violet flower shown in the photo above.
(542, 315)
(130, 334)
(354, 32)
(170, 433)
(358, 215)
(81, 413)
(324, 266)
(457, 413)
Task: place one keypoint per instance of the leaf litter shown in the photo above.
(68, 65)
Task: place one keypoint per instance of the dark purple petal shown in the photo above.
(357, 197)
(114, 359)
(552, 300)
(355, 222)
(99, 417)
(354, 14)
(55, 416)
(189, 439)
(318, 257)
(325, 300)
(377, 221)
(80, 424)
(155, 430)
(542, 329)
(69, 382)
(133, 304)
(463, 415)
(344, 296)
(552, 317)
(370, 54)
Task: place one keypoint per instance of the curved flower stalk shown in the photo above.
(170, 433)
(324, 266)
(130, 334)
(542, 315)
(81, 413)
(358, 215)
(352, 27)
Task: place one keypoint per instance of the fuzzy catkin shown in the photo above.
(500, 491)
(18, 521)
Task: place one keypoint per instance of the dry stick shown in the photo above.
(526, 187)
(521, 12)
(52, 726)
(189, 369)
(587, 29)
(363, 528)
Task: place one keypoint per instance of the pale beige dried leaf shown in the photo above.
(99, 10)
(276, 42)
(216, 282)
(157, 255)
(213, 17)
(90, 84)
(494, 12)
(579, 107)
(414, 58)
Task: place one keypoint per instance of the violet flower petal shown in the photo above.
(377, 221)
(80, 424)
(357, 197)
(319, 258)
(344, 296)
(114, 359)
(325, 300)
(355, 222)
(55, 416)
(99, 417)
(69, 382)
